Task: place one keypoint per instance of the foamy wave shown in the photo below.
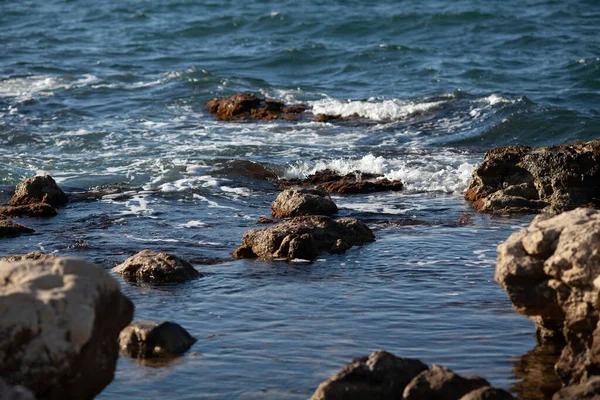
(377, 110)
(26, 88)
(494, 99)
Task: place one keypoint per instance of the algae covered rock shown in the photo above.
(151, 339)
(150, 266)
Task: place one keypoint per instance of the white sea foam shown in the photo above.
(377, 110)
(193, 224)
(27, 87)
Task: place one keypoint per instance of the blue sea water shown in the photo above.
(112, 94)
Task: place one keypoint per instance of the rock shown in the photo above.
(440, 383)
(59, 324)
(150, 266)
(550, 271)
(381, 376)
(29, 210)
(353, 183)
(303, 238)
(34, 255)
(264, 221)
(152, 339)
(246, 106)
(8, 392)
(488, 393)
(534, 375)
(522, 179)
(298, 201)
(10, 229)
(38, 189)
(587, 390)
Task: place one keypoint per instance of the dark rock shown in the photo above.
(488, 393)
(298, 201)
(29, 210)
(352, 183)
(303, 238)
(10, 229)
(588, 390)
(150, 266)
(34, 255)
(152, 339)
(263, 221)
(440, 383)
(38, 189)
(327, 117)
(381, 376)
(8, 392)
(521, 179)
(59, 327)
(246, 106)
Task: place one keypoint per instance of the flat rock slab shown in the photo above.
(303, 238)
(35, 210)
(299, 201)
(150, 266)
(152, 339)
(38, 189)
(352, 183)
(10, 229)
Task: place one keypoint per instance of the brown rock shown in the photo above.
(150, 266)
(588, 390)
(440, 383)
(246, 106)
(152, 339)
(10, 229)
(59, 323)
(303, 238)
(298, 201)
(29, 210)
(34, 255)
(264, 221)
(38, 189)
(352, 183)
(488, 393)
(381, 376)
(521, 179)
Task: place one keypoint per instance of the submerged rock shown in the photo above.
(29, 210)
(522, 179)
(150, 266)
(551, 272)
(303, 238)
(352, 183)
(34, 255)
(246, 106)
(59, 324)
(10, 229)
(298, 201)
(38, 189)
(151, 339)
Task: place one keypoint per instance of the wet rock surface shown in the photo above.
(59, 324)
(299, 201)
(151, 339)
(150, 266)
(303, 238)
(38, 189)
(247, 106)
(35, 210)
(352, 183)
(11, 229)
(522, 179)
(34, 255)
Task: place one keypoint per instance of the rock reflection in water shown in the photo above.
(535, 373)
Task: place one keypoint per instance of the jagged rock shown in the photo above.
(298, 201)
(246, 106)
(381, 376)
(588, 390)
(151, 339)
(59, 324)
(10, 229)
(488, 393)
(353, 183)
(440, 383)
(150, 266)
(34, 255)
(8, 392)
(38, 189)
(303, 238)
(264, 221)
(29, 210)
(550, 271)
(522, 179)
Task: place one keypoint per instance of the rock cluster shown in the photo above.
(59, 324)
(298, 201)
(150, 266)
(384, 376)
(522, 179)
(151, 339)
(352, 183)
(246, 106)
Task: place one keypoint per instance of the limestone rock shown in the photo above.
(151, 339)
(303, 238)
(38, 189)
(522, 179)
(10, 229)
(588, 390)
(246, 106)
(35, 210)
(150, 266)
(381, 376)
(352, 183)
(298, 201)
(440, 383)
(34, 255)
(59, 324)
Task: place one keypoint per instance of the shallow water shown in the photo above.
(112, 94)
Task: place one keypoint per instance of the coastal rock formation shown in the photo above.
(150, 266)
(59, 324)
(303, 238)
(384, 376)
(38, 189)
(152, 339)
(298, 201)
(34, 255)
(8, 392)
(246, 106)
(29, 210)
(551, 272)
(588, 390)
(10, 229)
(522, 179)
(352, 183)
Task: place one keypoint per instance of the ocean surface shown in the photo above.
(109, 96)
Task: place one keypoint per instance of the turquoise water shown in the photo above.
(107, 93)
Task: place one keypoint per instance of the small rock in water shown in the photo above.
(353, 183)
(246, 106)
(299, 201)
(38, 189)
(29, 210)
(439, 382)
(264, 221)
(150, 266)
(151, 339)
(10, 229)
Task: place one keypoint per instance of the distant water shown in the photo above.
(111, 93)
